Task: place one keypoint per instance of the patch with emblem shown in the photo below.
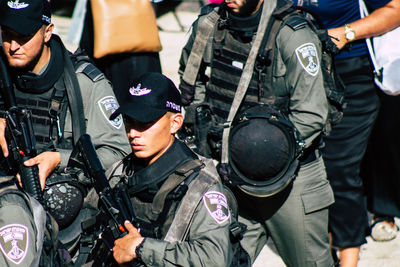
(14, 242)
(308, 58)
(107, 106)
(217, 206)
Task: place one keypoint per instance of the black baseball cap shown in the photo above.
(150, 99)
(24, 16)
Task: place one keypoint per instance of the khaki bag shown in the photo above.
(124, 26)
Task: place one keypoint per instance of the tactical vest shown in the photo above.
(46, 125)
(49, 109)
(169, 213)
(156, 211)
(229, 57)
(185, 189)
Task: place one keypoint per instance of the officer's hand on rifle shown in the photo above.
(3, 142)
(125, 248)
(47, 162)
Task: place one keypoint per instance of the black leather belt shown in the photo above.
(309, 156)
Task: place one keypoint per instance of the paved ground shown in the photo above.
(373, 254)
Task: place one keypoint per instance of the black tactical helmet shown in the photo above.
(263, 151)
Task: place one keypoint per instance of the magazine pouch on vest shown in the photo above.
(201, 132)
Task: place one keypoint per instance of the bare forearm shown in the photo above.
(378, 22)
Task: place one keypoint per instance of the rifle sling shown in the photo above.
(172, 182)
(75, 99)
(268, 8)
(199, 45)
(184, 216)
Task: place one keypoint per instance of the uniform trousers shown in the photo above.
(296, 219)
(344, 150)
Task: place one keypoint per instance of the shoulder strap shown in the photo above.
(75, 98)
(205, 28)
(207, 177)
(284, 14)
(172, 182)
(268, 8)
(89, 70)
(84, 64)
(267, 47)
(363, 13)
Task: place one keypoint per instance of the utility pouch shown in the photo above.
(201, 132)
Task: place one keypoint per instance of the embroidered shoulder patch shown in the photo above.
(217, 206)
(308, 58)
(14, 242)
(107, 106)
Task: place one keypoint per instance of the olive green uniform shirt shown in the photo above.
(108, 137)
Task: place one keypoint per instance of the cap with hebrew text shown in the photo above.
(24, 16)
(150, 99)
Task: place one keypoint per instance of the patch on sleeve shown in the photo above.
(14, 242)
(308, 58)
(217, 206)
(107, 106)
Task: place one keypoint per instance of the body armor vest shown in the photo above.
(45, 125)
(152, 224)
(44, 95)
(48, 123)
(229, 56)
(154, 213)
(226, 69)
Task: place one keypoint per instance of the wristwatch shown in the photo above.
(139, 249)
(349, 33)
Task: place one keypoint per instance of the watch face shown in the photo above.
(350, 35)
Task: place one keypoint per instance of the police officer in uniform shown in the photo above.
(24, 228)
(296, 215)
(178, 200)
(68, 96)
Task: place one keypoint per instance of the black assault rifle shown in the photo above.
(114, 203)
(19, 135)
